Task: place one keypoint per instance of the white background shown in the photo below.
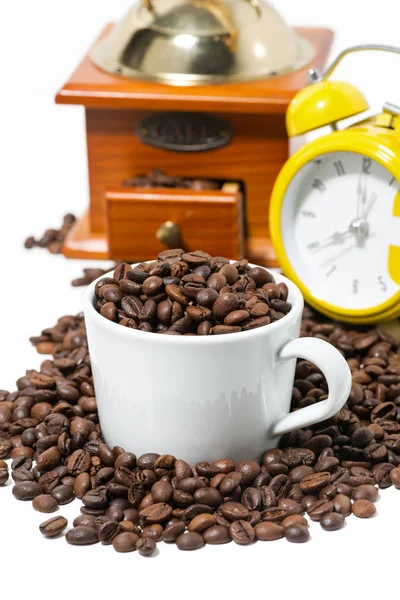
(43, 175)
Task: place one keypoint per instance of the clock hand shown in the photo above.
(339, 237)
(344, 251)
(374, 198)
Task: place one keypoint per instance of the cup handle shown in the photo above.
(337, 374)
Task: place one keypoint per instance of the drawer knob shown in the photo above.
(169, 234)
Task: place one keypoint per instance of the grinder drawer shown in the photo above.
(141, 222)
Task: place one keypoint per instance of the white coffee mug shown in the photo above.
(207, 397)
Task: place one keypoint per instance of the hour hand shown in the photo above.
(339, 237)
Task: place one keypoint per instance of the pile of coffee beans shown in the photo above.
(191, 294)
(52, 239)
(159, 179)
(49, 428)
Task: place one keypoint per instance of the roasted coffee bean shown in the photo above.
(152, 531)
(82, 536)
(53, 527)
(364, 509)
(230, 483)
(274, 514)
(365, 492)
(233, 511)
(4, 475)
(320, 508)
(63, 494)
(294, 520)
(45, 503)
(297, 534)
(161, 491)
(268, 531)
(81, 485)
(209, 496)
(173, 531)
(332, 521)
(217, 534)
(395, 477)
(108, 531)
(201, 522)
(125, 542)
(156, 513)
(242, 532)
(190, 541)
(342, 504)
(146, 546)
(27, 490)
(311, 484)
(87, 520)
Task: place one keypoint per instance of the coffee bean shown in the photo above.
(63, 494)
(190, 541)
(4, 475)
(217, 534)
(157, 513)
(125, 542)
(108, 531)
(201, 522)
(364, 509)
(320, 508)
(268, 531)
(53, 526)
(45, 503)
(86, 520)
(152, 531)
(365, 492)
(294, 520)
(173, 531)
(242, 532)
(161, 491)
(342, 504)
(313, 483)
(82, 536)
(297, 534)
(27, 490)
(395, 477)
(146, 546)
(233, 511)
(332, 521)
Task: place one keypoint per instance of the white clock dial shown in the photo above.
(337, 225)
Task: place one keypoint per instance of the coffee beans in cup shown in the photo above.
(191, 293)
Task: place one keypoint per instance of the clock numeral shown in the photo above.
(391, 182)
(308, 213)
(318, 161)
(339, 168)
(319, 185)
(356, 286)
(366, 165)
(313, 246)
(382, 284)
(331, 270)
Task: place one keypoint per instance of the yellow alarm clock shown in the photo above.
(335, 207)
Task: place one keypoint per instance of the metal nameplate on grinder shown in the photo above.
(184, 132)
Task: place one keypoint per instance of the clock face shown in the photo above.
(337, 225)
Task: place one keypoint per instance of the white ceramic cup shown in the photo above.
(211, 397)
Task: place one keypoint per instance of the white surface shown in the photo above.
(318, 212)
(203, 398)
(42, 145)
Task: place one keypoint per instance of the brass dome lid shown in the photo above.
(195, 42)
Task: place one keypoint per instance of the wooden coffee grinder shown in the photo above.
(197, 89)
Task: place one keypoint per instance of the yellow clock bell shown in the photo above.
(335, 207)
